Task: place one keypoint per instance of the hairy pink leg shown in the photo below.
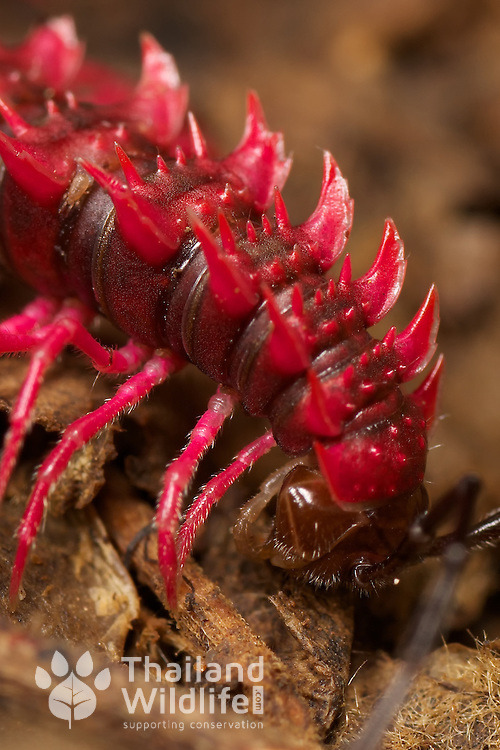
(16, 332)
(45, 345)
(177, 479)
(20, 417)
(137, 387)
(17, 335)
(52, 340)
(111, 361)
(215, 489)
(37, 313)
(17, 342)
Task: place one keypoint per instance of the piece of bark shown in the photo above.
(75, 587)
(310, 630)
(322, 626)
(25, 718)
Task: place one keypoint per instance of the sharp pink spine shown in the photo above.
(287, 347)
(390, 337)
(70, 99)
(31, 174)
(426, 395)
(232, 289)
(226, 235)
(329, 225)
(138, 219)
(160, 100)
(251, 233)
(197, 139)
(259, 160)
(52, 109)
(282, 221)
(321, 418)
(158, 66)
(180, 157)
(297, 302)
(52, 54)
(266, 226)
(161, 165)
(16, 123)
(131, 174)
(417, 343)
(379, 288)
(345, 274)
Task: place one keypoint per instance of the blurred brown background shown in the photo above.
(406, 94)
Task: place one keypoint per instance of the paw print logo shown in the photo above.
(71, 698)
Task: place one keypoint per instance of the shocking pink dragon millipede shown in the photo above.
(111, 204)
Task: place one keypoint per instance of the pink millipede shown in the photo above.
(135, 220)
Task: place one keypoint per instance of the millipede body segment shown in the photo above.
(111, 203)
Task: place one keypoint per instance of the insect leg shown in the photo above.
(130, 393)
(110, 361)
(45, 344)
(23, 332)
(16, 334)
(177, 479)
(215, 489)
(20, 417)
(37, 313)
(422, 540)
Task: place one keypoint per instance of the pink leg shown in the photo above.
(53, 338)
(37, 313)
(31, 328)
(111, 361)
(45, 345)
(130, 393)
(20, 417)
(215, 489)
(16, 332)
(177, 479)
(74, 317)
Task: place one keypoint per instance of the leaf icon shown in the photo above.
(72, 698)
(61, 700)
(42, 678)
(102, 679)
(59, 665)
(84, 665)
(85, 700)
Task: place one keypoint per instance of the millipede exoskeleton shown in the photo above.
(112, 204)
